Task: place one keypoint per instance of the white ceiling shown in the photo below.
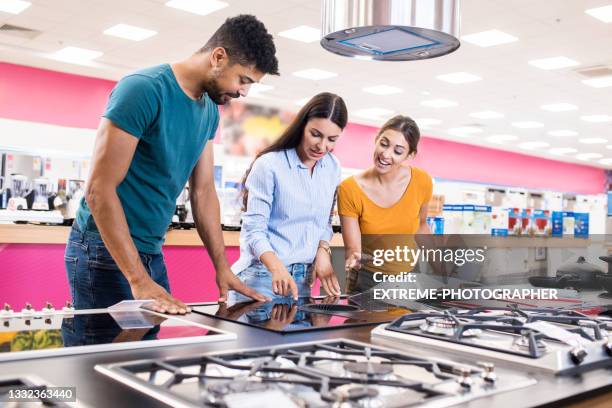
(545, 28)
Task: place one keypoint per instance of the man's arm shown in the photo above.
(206, 215)
(113, 152)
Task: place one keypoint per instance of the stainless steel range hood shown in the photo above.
(390, 30)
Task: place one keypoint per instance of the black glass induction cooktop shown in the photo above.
(285, 315)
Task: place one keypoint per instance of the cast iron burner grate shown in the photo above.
(531, 342)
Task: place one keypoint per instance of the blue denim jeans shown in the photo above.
(258, 277)
(94, 277)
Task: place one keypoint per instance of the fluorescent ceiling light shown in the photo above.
(489, 38)
(533, 145)
(464, 131)
(14, 6)
(553, 63)
(559, 107)
(596, 118)
(302, 102)
(200, 7)
(589, 156)
(563, 133)
(427, 122)
(559, 151)
(439, 103)
(528, 124)
(606, 161)
(76, 55)
(256, 89)
(383, 90)
(314, 74)
(129, 32)
(302, 33)
(459, 78)
(373, 113)
(602, 82)
(601, 13)
(487, 115)
(593, 140)
(501, 138)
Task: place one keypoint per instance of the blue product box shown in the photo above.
(581, 225)
(557, 223)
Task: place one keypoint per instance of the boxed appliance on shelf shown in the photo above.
(499, 221)
(541, 223)
(515, 217)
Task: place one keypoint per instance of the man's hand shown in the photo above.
(353, 262)
(146, 288)
(226, 281)
(322, 268)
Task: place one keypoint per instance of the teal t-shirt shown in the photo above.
(172, 130)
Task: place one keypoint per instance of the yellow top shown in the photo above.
(401, 218)
(386, 228)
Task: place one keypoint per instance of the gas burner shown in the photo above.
(350, 392)
(524, 342)
(368, 369)
(447, 326)
(269, 369)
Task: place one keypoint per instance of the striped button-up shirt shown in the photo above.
(288, 208)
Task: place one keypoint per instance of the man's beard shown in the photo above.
(217, 96)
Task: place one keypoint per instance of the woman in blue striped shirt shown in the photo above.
(289, 193)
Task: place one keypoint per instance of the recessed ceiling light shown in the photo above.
(593, 140)
(314, 74)
(302, 33)
(559, 151)
(528, 124)
(602, 82)
(489, 38)
(533, 145)
(200, 7)
(373, 113)
(501, 138)
(607, 161)
(559, 107)
(14, 6)
(459, 78)
(439, 103)
(562, 133)
(464, 131)
(383, 90)
(601, 13)
(487, 115)
(588, 156)
(427, 122)
(553, 63)
(596, 118)
(76, 55)
(129, 32)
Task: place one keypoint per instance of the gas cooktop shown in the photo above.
(332, 373)
(49, 332)
(284, 315)
(561, 341)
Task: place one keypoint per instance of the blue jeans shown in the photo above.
(258, 277)
(94, 277)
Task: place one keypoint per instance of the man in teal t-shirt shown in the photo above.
(153, 138)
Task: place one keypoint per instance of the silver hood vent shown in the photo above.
(390, 30)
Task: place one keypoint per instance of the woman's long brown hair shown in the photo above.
(325, 105)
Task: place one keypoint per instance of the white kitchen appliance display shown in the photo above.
(42, 191)
(19, 190)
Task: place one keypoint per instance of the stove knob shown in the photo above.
(48, 308)
(465, 379)
(68, 307)
(608, 345)
(6, 310)
(578, 354)
(489, 372)
(6, 323)
(27, 309)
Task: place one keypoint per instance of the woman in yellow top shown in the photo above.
(389, 198)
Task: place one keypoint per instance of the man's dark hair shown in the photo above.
(247, 42)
